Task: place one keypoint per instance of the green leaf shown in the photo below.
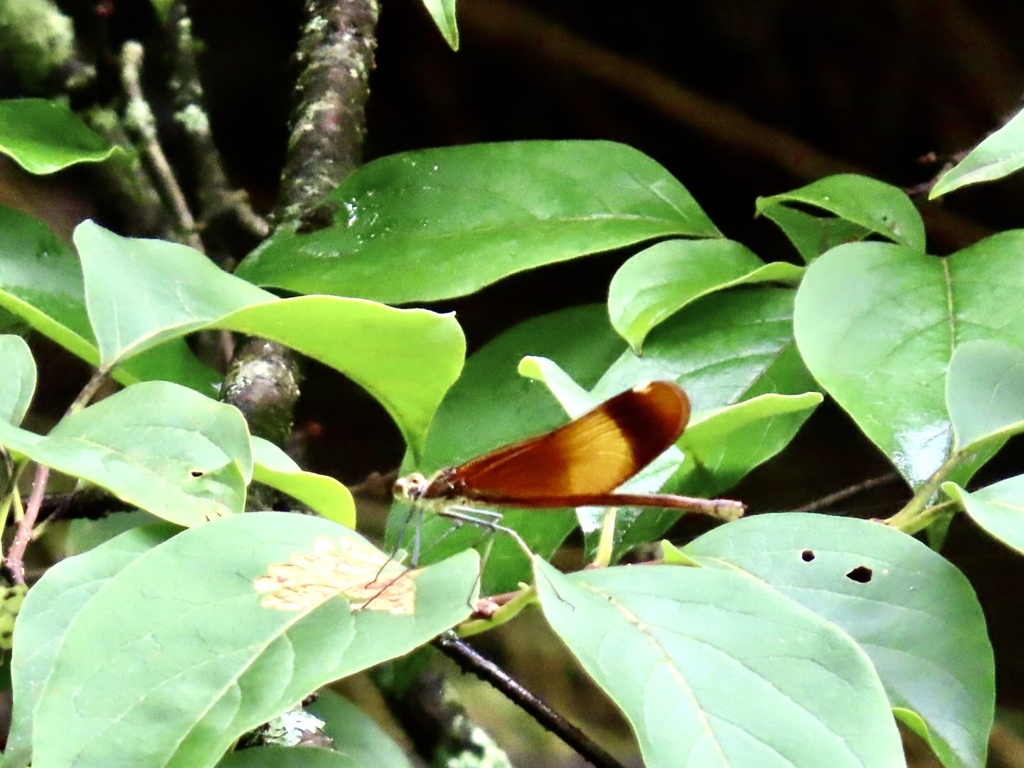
(877, 325)
(713, 668)
(50, 607)
(439, 223)
(19, 380)
(443, 14)
(985, 392)
(862, 201)
(910, 610)
(724, 446)
(144, 291)
(813, 235)
(490, 406)
(322, 494)
(356, 735)
(999, 155)
(43, 136)
(156, 445)
(997, 508)
(203, 658)
(41, 282)
(720, 349)
(661, 280)
(406, 358)
(140, 292)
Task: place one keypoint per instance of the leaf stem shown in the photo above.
(909, 519)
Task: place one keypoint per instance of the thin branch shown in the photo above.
(466, 657)
(846, 493)
(140, 120)
(216, 198)
(15, 560)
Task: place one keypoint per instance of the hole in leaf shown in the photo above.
(860, 574)
(807, 555)
(197, 473)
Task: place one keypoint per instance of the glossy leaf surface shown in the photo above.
(877, 325)
(985, 392)
(439, 223)
(661, 280)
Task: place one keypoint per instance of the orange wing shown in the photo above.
(592, 455)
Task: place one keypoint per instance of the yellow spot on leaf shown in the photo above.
(362, 574)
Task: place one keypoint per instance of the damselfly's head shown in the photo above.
(410, 488)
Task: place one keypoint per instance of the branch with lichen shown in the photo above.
(219, 206)
(329, 115)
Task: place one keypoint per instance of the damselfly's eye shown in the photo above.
(410, 487)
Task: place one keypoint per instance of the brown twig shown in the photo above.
(466, 657)
(140, 121)
(15, 560)
(215, 197)
(845, 493)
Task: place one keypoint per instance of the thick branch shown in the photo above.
(328, 119)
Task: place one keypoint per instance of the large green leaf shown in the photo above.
(661, 280)
(204, 656)
(439, 223)
(492, 405)
(141, 292)
(712, 668)
(877, 325)
(999, 155)
(41, 282)
(910, 610)
(43, 136)
(51, 605)
(985, 392)
(867, 204)
(156, 445)
(18, 383)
